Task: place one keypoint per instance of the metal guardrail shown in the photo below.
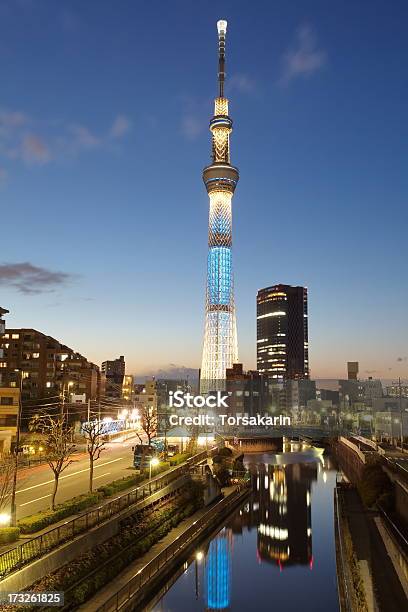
(342, 579)
(22, 554)
(124, 595)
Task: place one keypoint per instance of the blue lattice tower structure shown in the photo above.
(220, 348)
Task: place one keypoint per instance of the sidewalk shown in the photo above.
(93, 604)
(381, 583)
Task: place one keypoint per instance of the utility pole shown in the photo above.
(13, 509)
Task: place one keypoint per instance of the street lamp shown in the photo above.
(69, 384)
(199, 556)
(154, 461)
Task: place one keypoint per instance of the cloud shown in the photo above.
(39, 142)
(83, 138)
(12, 119)
(3, 176)
(191, 126)
(304, 58)
(242, 83)
(34, 150)
(29, 279)
(120, 127)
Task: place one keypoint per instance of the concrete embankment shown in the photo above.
(141, 578)
(67, 552)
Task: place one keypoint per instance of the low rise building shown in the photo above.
(9, 405)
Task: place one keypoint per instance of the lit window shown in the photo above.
(15, 336)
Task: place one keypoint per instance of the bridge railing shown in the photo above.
(151, 569)
(26, 552)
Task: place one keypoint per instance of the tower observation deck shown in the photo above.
(220, 349)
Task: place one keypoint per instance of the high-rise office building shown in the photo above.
(282, 332)
(220, 348)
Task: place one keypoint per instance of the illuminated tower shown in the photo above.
(220, 348)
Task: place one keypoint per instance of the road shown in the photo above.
(35, 485)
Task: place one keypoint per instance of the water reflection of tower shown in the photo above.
(218, 571)
(280, 507)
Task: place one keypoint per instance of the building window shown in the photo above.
(3, 364)
(6, 401)
(10, 420)
(15, 336)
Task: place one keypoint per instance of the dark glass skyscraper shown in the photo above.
(282, 332)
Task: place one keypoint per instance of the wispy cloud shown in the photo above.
(120, 127)
(303, 58)
(34, 150)
(191, 126)
(12, 119)
(27, 278)
(38, 142)
(242, 83)
(83, 138)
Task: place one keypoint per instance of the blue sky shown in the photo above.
(104, 111)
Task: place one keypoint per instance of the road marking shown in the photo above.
(69, 475)
(102, 475)
(34, 500)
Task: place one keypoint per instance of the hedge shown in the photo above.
(137, 535)
(40, 520)
(374, 485)
(9, 534)
(116, 486)
(36, 522)
(179, 458)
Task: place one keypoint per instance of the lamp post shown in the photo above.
(68, 385)
(13, 508)
(198, 558)
(154, 461)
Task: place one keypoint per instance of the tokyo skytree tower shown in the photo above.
(220, 348)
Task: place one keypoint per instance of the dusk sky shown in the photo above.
(104, 111)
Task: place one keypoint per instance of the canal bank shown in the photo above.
(138, 581)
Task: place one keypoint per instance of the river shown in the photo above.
(274, 552)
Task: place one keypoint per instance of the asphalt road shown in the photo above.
(35, 485)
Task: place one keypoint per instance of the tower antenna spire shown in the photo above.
(222, 30)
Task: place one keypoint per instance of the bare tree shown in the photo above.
(95, 444)
(148, 422)
(6, 480)
(59, 447)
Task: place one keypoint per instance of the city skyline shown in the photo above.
(100, 263)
